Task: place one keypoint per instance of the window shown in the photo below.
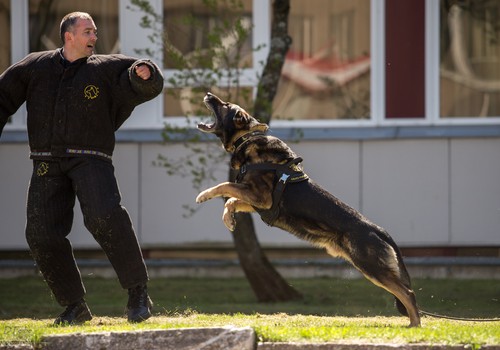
(326, 74)
(45, 19)
(470, 59)
(351, 63)
(5, 46)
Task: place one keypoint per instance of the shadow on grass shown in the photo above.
(29, 297)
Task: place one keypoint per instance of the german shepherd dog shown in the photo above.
(272, 183)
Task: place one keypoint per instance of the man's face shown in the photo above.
(83, 37)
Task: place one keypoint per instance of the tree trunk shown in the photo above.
(267, 284)
(280, 43)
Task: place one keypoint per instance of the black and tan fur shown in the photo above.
(305, 209)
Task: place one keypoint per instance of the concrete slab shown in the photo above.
(227, 338)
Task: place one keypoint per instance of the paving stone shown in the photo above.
(337, 346)
(16, 347)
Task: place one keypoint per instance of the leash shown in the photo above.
(422, 312)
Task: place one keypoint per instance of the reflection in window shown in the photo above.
(470, 59)
(193, 29)
(208, 43)
(326, 72)
(5, 47)
(45, 18)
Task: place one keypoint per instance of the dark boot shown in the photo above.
(76, 313)
(139, 304)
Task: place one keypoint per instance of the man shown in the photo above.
(76, 100)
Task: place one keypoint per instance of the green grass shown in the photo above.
(332, 309)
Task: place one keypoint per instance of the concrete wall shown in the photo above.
(425, 192)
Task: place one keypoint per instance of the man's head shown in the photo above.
(78, 34)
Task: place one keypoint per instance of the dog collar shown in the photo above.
(241, 140)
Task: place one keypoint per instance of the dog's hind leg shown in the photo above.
(380, 263)
(403, 294)
(392, 275)
(393, 284)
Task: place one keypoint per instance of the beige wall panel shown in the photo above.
(163, 198)
(15, 173)
(401, 185)
(475, 191)
(333, 165)
(405, 189)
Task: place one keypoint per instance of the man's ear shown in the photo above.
(68, 37)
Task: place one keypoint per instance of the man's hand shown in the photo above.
(143, 71)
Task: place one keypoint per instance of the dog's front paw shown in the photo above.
(203, 196)
(228, 219)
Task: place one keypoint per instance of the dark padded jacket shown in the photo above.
(75, 108)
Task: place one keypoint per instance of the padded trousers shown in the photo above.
(52, 191)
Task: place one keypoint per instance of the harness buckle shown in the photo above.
(284, 177)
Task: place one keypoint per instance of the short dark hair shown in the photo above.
(69, 21)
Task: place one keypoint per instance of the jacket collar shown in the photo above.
(64, 62)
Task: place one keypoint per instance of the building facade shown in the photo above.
(394, 106)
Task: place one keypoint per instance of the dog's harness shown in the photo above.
(244, 138)
(289, 172)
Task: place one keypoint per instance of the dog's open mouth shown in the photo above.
(209, 101)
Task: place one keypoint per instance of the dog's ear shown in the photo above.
(244, 121)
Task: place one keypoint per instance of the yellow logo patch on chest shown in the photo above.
(91, 92)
